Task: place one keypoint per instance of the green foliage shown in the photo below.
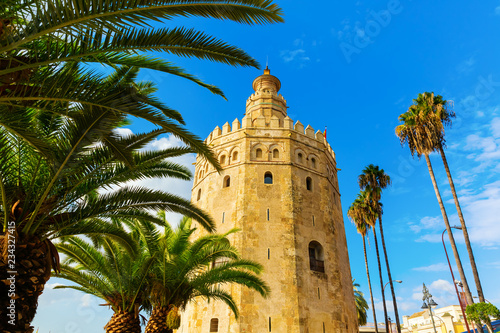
(186, 269)
(480, 312)
(361, 304)
(423, 124)
(173, 318)
(44, 43)
(164, 269)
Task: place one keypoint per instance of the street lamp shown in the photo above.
(428, 304)
(453, 278)
(383, 291)
(398, 281)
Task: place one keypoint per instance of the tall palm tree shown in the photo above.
(361, 304)
(74, 187)
(358, 212)
(374, 180)
(185, 270)
(442, 109)
(422, 129)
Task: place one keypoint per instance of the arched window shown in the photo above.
(235, 156)
(276, 153)
(299, 158)
(199, 195)
(309, 183)
(214, 325)
(316, 257)
(223, 160)
(268, 178)
(313, 162)
(226, 181)
(258, 153)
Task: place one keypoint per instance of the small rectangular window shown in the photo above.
(319, 295)
(223, 214)
(269, 324)
(214, 325)
(268, 253)
(268, 214)
(323, 327)
(313, 220)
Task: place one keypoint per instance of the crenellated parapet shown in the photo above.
(260, 125)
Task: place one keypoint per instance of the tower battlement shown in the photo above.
(260, 124)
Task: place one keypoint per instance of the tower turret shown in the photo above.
(265, 101)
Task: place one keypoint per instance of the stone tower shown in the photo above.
(279, 186)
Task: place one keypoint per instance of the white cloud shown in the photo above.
(432, 268)
(122, 131)
(297, 55)
(495, 127)
(497, 10)
(86, 300)
(426, 223)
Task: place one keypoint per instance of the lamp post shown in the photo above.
(383, 291)
(453, 278)
(428, 304)
(398, 281)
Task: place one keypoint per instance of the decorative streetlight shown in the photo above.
(453, 278)
(428, 303)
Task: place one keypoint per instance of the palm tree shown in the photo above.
(374, 180)
(111, 272)
(361, 304)
(43, 34)
(185, 270)
(422, 129)
(442, 109)
(358, 212)
(74, 187)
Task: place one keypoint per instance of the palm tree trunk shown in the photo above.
(370, 285)
(26, 279)
(381, 280)
(464, 228)
(468, 295)
(123, 322)
(157, 322)
(389, 274)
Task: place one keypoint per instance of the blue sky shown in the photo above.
(348, 67)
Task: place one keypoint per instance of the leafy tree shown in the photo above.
(422, 129)
(373, 180)
(38, 36)
(129, 282)
(360, 212)
(361, 304)
(481, 312)
(107, 270)
(185, 270)
(76, 186)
